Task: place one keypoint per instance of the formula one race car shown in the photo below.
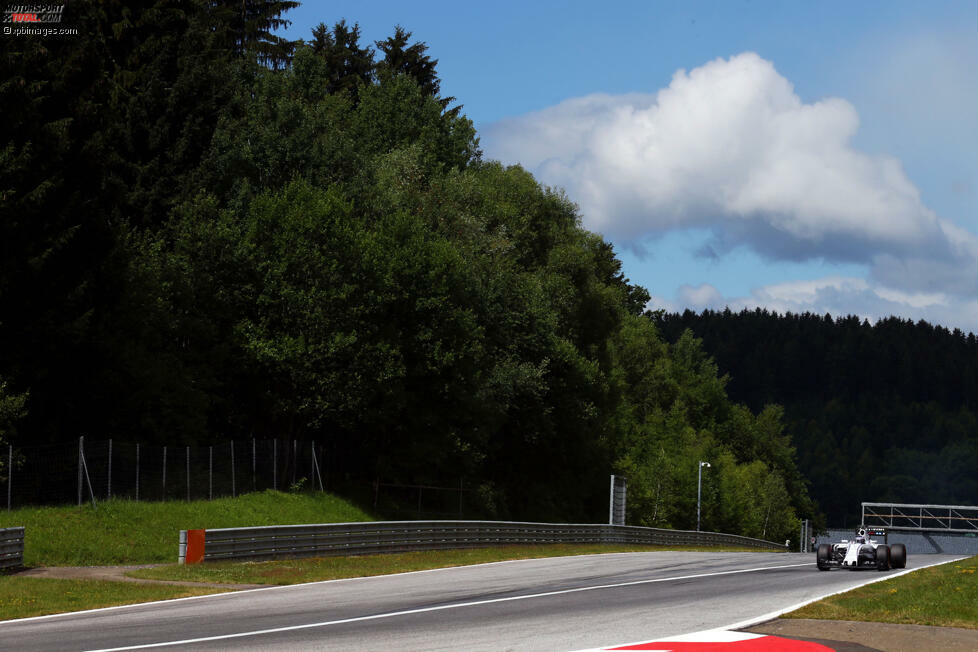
(862, 552)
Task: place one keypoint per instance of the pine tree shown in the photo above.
(401, 58)
(349, 64)
(249, 25)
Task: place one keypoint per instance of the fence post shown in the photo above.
(210, 473)
(164, 474)
(10, 473)
(137, 473)
(233, 489)
(254, 479)
(295, 459)
(188, 474)
(84, 467)
(275, 464)
(109, 489)
(81, 444)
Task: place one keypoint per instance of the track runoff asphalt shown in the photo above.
(567, 603)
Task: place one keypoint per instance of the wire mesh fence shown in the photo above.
(94, 470)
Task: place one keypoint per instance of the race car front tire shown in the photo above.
(882, 557)
(822, 556)
(898, 555)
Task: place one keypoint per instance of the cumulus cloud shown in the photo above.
(731, 147)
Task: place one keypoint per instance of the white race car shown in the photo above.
(862, 552)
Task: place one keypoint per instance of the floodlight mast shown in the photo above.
(699, 490)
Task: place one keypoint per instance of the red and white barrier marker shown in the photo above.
(722, 640)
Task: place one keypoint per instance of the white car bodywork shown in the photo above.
(862, 552)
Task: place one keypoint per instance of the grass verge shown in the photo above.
(296, 571)
(945, 596)
(22, 597)
(129, 532)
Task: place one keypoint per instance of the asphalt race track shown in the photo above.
(566, 603)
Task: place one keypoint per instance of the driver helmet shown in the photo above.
(861, 535)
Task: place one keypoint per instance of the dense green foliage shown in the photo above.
(879, 413)
(314, 248)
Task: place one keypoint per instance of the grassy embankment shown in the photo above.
(124, 532)
(128, 532)
(946, 596)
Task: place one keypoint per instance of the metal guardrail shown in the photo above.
(11, 547)
(930, 518)
(286, 541)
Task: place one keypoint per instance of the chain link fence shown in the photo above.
(95, 470)
(90, 471)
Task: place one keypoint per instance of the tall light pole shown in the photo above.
(699, 490)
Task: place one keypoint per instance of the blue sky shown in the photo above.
(790, 155)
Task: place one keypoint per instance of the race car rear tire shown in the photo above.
(822, 556)
(882, 557)
(898, 555)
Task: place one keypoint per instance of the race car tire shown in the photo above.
(822, 556)
(898, 555)
(882, 557)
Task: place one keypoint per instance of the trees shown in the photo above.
(676, 412)
(348, 64)
(411, 60)
(870, 408)
(308, 244)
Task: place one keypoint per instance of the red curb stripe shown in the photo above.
(762, 644)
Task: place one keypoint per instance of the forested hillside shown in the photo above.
(879, 413)
(210, 233)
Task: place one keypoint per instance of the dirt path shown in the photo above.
(884, 637)
(118, 574)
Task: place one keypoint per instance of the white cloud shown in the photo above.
(730, 146)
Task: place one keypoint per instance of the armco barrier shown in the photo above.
(11, 547)
(283, 541)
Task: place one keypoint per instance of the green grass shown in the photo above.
(128, 532)
(22, 597)
(294, 571)
(945, 596)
